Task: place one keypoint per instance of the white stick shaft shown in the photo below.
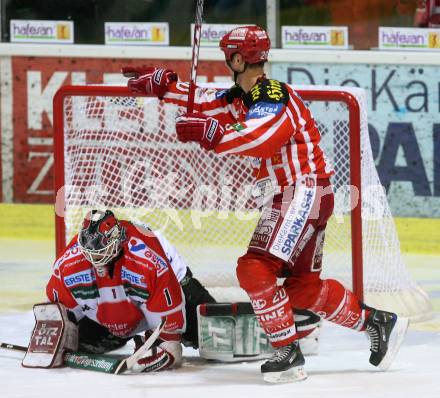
(195, 55)
(128, 363)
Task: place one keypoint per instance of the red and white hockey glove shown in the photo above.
(165, 354)
(200, 128)
(149, 80)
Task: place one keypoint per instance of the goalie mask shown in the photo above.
(100, 238)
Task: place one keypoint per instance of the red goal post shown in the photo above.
(75, 106)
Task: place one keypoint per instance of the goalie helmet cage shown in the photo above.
(119, 151)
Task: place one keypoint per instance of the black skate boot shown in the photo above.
(285, 365)
(386, 332)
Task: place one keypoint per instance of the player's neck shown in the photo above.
(249, 77)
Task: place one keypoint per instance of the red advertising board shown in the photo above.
(35, 81)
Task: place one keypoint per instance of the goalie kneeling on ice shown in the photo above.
(230, 332)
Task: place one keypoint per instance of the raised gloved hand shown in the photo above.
(200, 128)
(164, 354)
(149, 80)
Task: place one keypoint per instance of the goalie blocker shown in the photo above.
(53, 335)
(230, 332)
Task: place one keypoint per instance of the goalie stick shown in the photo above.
(114, 364)
(80, 360)
(195, 55)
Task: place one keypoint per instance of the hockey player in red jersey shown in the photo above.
(266, 120)
(116, 280)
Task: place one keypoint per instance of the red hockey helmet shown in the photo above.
(252, 42)
(100, 238)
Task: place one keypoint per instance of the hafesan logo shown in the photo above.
(419, 39)
(158, 34)
(337, 37)
(39, 31)
(63, 31)
(322, 37)
(434, 40)
(136, 33)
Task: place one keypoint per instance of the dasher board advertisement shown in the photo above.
(315, 37)
(409, 39)
(137, 33)
(36, 31)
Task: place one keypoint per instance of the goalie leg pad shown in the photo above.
(230, 332)
(53, 335)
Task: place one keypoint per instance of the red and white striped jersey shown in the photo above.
(270, 124)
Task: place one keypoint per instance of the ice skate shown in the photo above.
(286, 365)
(386, 332)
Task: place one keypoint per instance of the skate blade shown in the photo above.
(297, 373)
(396, 339)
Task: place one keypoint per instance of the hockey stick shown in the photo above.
(129, 362)
(13, 347)
(195, 55)
(98, 362)
(80, 360)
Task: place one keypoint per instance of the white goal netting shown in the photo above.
(121, 153)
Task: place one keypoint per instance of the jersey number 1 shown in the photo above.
(167, 294)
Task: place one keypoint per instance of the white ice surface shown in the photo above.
(340, 370)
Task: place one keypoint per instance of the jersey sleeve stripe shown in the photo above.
(308, 166)
(296, 154)
(178, 94)
(252, 125)
(271, 171)
(298, 108)
(287, 165)
(251, 142)
(262, 148)
(296, 113)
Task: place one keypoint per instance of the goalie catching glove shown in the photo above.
(149, 80)
(164, 354)
(200, 128)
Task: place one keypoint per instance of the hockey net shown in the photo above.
(117, 151)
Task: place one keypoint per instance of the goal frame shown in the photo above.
(354, 123)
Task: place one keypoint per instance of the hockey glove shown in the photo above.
(200, 128)
(165, 354)
(149, 80)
